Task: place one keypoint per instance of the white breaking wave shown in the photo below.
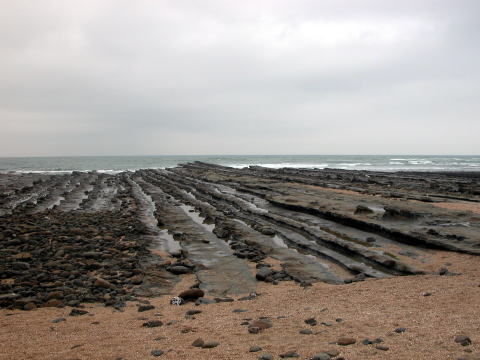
(282, 165)
(419, 162)
(354, 164)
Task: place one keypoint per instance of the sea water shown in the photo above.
(113, 164)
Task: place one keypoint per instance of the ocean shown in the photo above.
(114, 164)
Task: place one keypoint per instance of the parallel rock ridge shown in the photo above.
(89, 237)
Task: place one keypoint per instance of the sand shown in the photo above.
(369, 309)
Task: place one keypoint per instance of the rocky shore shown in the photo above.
(266, 264)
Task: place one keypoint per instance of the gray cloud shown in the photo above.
(270, 77)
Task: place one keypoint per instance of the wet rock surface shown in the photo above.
(89, 237)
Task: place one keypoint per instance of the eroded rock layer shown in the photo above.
(67, 239)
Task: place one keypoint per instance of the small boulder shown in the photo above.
(191, 294)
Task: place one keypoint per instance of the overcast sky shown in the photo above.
(239, 77)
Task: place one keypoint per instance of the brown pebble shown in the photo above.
(344, 341)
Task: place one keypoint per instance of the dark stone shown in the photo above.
(77, 312)
(225, 299)
(463, 340)
(400, 330)
(311, 321)
(152, 323)
(156, 352)
(143, 308)
(198, 342)
(290, 354)
(56, 321)
(306, 332)
(382, 347)
(193, 312)
(252, 296)
(20, 265)
(179, 270)
(255, 349)
(263, 273)
(321, 356)
(239, 311)
(265, 356)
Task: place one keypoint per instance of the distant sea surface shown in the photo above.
(113, 164)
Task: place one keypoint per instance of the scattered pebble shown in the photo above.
(400, 330)
(306, 332)
(210, 344)
(58, 320)
(382, 347)
(255, 349)
(143, 308)
(463, 340)
(266, 356)
(198, 342)
(156, 352)
(311, 321)
(152, 323)
(344, 341)
(321, 356)
(77, 312)
(193, 312)
(290, 354)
